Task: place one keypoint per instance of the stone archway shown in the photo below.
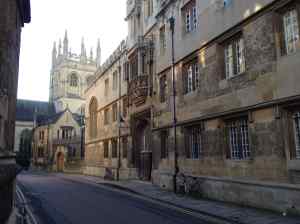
(60, 160)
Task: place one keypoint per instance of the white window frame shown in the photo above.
(291, 30)
(238, 131)
(193, 78)
(235, 58)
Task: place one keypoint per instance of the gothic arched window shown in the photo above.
(73, 80)
(93, 118)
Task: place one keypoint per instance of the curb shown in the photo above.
(221, 218)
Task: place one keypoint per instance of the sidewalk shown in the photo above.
(226, 211)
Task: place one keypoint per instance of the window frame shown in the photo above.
(190, 17)
(192, 133)
(238, 142)
(106, 149)
(114, 148)
(115, 112)
(295, 33)
(106, 116)
(162, 40)
(191, 76)
(124, 147)
(115, 80)
(163, 85)
(234, 56)
(164, 144)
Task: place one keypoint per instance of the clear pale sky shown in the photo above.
(92, 19)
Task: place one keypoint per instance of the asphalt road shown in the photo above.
(56, 200)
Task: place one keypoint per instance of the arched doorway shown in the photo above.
(60, 162)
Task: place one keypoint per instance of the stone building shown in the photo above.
(71, 74)
(57, 142)
(26, 114)
(236, 107)
(14, 13)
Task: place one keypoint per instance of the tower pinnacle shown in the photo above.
(98, 58)
(66, 44)
(54, 54)
(83, 57)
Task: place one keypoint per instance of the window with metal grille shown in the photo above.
(124, 147)
(235, 57)
(291, 30)
(190, 16)
(297, 133)
(114, 148)
(192, 77)
(239, 139)
(164, 136)
(106, 149)
(193, 141)
(163, 88)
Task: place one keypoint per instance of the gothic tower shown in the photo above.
(70, 75)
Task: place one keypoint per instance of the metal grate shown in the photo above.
(239, 139)
(297, 133)
(194, 139)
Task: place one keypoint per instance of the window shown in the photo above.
(162, 40)
(106, 87)
(125, 106)
(58, 134)
(106, 149)
(297, 133)
(164, 144)
(193, 141)
(133, 66)
(190, 16)
(191, 77)
(73, 80)
(238, 139)
(93, 118)
(126, 71)
(235, 57)
(106, 116)
(114, 148)
(163, 88)
(125, 147)
(148, 8)
(115, 80)
(291, 30)
(115, 112)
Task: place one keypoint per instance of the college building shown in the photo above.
(202, 96)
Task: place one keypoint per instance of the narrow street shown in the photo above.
(55, 200)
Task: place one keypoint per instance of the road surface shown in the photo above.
(56, 200)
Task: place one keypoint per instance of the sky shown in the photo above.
(91, 19)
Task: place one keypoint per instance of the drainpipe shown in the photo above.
(176, 167)
(119, 124)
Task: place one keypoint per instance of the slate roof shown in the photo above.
(26, 109)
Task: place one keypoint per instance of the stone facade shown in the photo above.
(70, 75)
(57, 142)
(237, 101)
(13, 16)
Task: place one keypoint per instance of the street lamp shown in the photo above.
(176, 167)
